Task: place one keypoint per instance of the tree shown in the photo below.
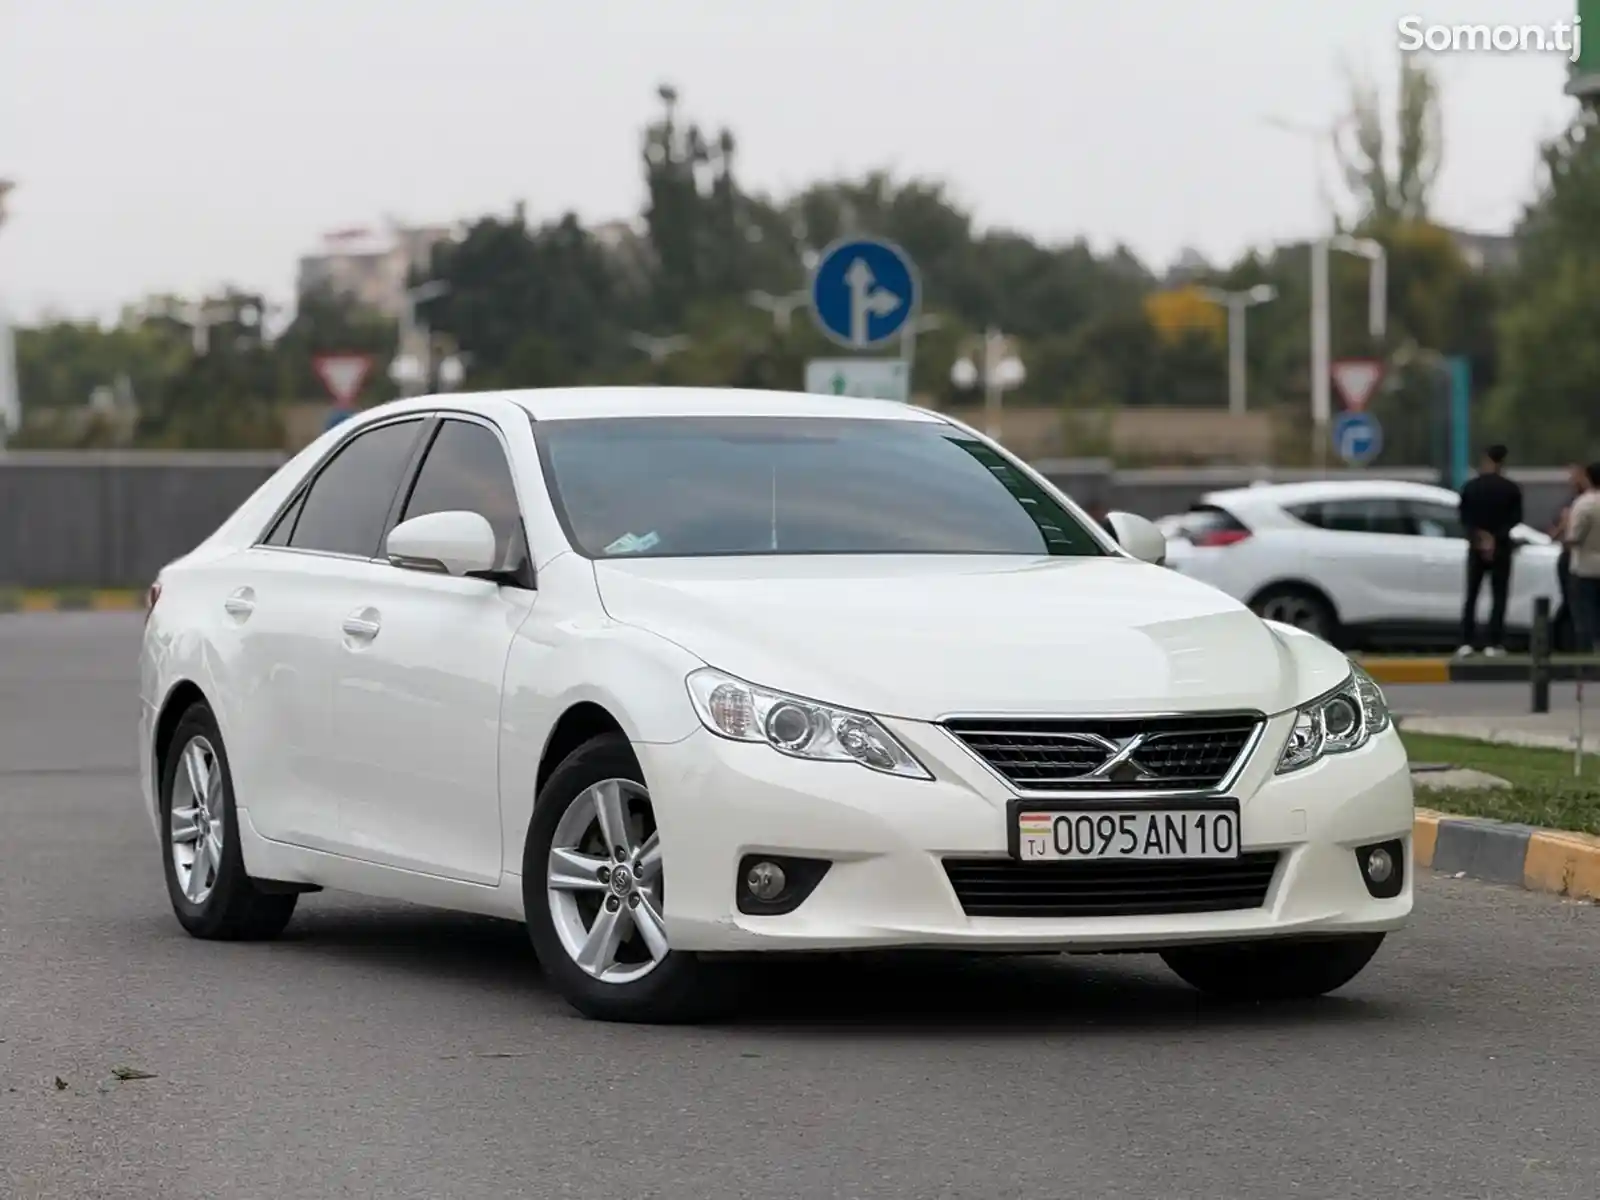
(1391, 180)
(1550, 363)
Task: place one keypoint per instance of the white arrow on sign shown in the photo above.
(1357, 379)
(343, 374)
(866, 299)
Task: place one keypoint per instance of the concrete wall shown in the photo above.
(114, 519)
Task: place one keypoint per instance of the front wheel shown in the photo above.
(1269, 970)
(593, 888)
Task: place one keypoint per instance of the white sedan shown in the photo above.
(677, 676)
(1358, 562)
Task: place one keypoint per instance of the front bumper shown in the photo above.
(717, 801)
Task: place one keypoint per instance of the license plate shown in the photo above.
(1126, 833)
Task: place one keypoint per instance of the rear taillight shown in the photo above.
(1222, 537)
(150, 598)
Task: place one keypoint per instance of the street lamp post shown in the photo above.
(659, 349)
(1377, 278)
(1237, 303)
(1321, 332)
(999, 372)
(1321, 335)
(780, 307)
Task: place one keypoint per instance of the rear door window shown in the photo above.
(345, 509)
(1379, 514)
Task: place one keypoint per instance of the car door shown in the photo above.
(1441, 558)
(1364, 555)
(416, 709)
(282, 610)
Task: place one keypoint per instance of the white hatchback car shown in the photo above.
(1358, 562)
(675, 676)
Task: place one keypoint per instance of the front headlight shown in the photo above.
(1345, 719)
(732, 708)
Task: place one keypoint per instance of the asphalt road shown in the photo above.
(388, 1051)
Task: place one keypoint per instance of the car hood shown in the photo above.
(925, 637)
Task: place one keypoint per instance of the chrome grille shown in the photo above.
(1194, 753)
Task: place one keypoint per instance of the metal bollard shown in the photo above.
(1539, 655)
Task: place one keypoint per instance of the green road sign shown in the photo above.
(869, 378)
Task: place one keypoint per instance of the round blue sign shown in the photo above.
(863, 292)
(1357, 437)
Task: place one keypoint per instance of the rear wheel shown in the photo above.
(1274, 970)
(593, 889)
(1300, 607)
(212, 894)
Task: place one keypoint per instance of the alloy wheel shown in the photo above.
(604, 882)
(196, 822)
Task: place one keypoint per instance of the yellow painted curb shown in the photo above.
(1567, 864)
(1424, 836)
(1408, 670)
(38, 602)
(116, 601)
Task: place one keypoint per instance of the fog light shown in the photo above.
(1383, 868)
(1380, 865)
(765, 881)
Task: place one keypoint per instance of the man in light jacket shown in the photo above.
(1582, 537)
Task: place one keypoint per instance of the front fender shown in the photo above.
(634, 675)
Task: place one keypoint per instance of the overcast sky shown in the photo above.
(181, 144)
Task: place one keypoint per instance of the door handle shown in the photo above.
(363, 624)
(240, 603)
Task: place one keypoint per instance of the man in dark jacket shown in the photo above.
(1491, 506)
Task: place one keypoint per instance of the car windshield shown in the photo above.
(660, 487)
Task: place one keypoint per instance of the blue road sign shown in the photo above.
(1357, 437)
(863, 292)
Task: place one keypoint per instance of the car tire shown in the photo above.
(1270, 970)
(224, 903)
(1302, 607)
(631, 980)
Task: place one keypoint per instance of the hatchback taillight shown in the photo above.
(1221, 537)
(150, 598)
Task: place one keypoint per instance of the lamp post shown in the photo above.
(780, 307)
(1321, 245)
(1237, 304)
(998, 372)
(659, 349)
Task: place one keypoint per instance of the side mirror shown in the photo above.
(1139, 537)
(445, 543)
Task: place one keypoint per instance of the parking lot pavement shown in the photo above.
(390, 1051)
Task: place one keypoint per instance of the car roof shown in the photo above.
(561, 404)
(1284, 494)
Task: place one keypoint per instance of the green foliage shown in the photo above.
(1550, 359)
